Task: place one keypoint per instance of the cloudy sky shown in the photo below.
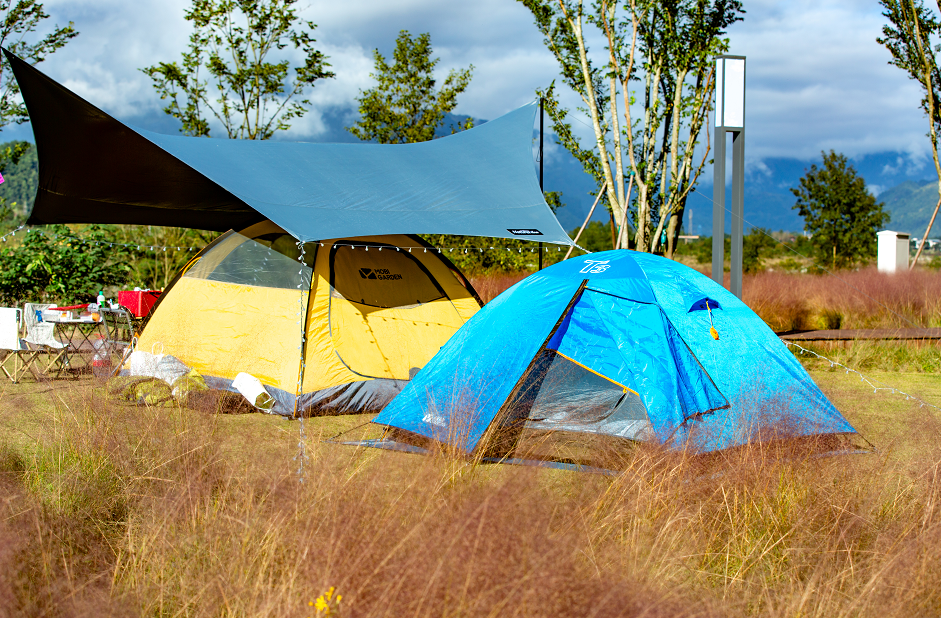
(816, 77)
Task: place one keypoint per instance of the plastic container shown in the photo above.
(254, 391)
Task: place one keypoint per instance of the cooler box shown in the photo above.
(139, 302)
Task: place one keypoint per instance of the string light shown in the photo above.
(301, 457)
(13, 233)
(366, 246)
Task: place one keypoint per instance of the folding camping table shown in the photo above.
(76, 333)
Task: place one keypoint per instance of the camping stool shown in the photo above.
(17, 357)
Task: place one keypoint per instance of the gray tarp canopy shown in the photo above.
(95, 169)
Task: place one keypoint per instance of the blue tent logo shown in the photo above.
(595, 266)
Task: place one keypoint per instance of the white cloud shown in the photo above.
(760, 167)
(817, 79)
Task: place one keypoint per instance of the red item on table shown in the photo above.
(69, 308)
(138, 302)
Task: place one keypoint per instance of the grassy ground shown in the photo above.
(110, 509)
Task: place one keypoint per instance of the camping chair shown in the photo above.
(16, 356)
(119, 339)
(40, 337)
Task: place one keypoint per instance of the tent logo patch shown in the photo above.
(434, 419)
(379, 273)
(595, 266)
(524, 232)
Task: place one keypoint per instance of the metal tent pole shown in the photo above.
(540, 169)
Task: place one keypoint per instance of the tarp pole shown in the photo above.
(540, 170)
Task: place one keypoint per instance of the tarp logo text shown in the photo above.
(524, 232)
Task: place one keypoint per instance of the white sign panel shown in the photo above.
(730, 93)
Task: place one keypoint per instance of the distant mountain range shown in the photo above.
(911, 204)
(897, 182)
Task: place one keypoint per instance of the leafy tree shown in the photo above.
(19, 19)
(839, 213)
(405, 107)
(757, 245)
(228, 72)
(596, 237)
(60, 265)
(668, 48)
(912, 39)
(21, 178)
(157, 253)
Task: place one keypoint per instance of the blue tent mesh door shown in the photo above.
(561, 394)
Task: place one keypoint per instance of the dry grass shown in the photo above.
(914, 356)
(862, 299)
(114, 510)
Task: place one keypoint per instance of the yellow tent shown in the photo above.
(329, 327)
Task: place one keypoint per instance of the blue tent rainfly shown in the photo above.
(608, 344)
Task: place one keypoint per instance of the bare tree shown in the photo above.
(659, 62)
(909, 39)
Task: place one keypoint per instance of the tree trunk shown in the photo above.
(614, 236)
(672, 233)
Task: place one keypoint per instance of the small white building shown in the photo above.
(893, 251)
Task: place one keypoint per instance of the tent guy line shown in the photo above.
(301, 457)
(870, 381)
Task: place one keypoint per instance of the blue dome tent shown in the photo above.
(619, 344)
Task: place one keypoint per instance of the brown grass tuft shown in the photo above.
(114, 510)
(490, 286)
